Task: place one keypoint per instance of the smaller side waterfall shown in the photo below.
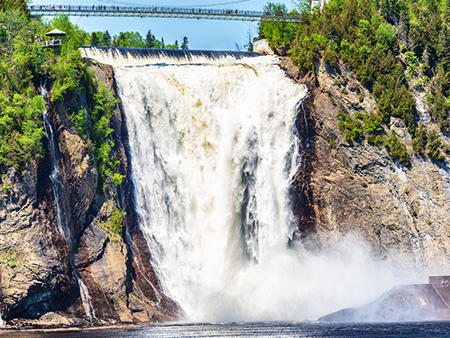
(62, 213)
(87, 304)
(57, 186)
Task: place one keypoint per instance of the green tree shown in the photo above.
(398, 150)
(129, 40)
(185, 44)
(150, 39)
(172, 46)
(106, 39)
(12, 5)
(434, 145)
(94, 39)
(420, 141)
(386, 33)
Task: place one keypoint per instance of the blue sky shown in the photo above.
(202, 34)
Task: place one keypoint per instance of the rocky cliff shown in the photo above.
(356, 187)
(41, 272)
(341, 187)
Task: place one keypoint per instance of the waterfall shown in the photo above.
(62, 209)
(86, 299)
(214, 149)
(62, 217)
(142, 56)
(210, 144)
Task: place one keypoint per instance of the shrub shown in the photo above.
(398, 150)
(434, 144)
(115, 222)
(420, 141)
(350, 127)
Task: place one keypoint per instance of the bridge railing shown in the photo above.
(159, 11)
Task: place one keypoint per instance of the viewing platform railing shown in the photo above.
(51, 43)
(159, 12)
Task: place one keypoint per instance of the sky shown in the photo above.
(202, 34)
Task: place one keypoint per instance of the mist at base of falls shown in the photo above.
(213, 151)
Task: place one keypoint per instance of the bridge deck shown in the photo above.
(158, 12)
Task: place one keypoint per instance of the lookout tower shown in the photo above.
(56, 38)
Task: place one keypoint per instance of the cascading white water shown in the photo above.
(86, 299)
(210, 145)
(213, 151)
(57, 185)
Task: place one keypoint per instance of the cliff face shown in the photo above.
(35, 269)
(340, 188)
(41, 271)
(358, 188)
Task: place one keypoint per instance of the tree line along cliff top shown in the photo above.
(396, 48)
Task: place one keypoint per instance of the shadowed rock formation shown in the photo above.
(401, 304)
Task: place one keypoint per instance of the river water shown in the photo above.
(262, 329)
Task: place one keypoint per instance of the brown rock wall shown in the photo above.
(357, 188)
(34, 259)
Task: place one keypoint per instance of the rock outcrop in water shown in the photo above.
(402, 303)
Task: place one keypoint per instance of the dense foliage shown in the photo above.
(25, 67)
(387, 44)
(21, 107)
(115, 223)
(71, 76)
(14, 5)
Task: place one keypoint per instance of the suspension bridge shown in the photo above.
(160, 12)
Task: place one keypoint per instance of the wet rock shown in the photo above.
(400, 304)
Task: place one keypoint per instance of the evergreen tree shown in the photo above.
(176, 43)
(150, 40)
(446, 14)
(119, 41)
(443, 49)
(106, 39)
(94, 39)
(163, 45)
(250, 41)
(398, 150)
(185, 44)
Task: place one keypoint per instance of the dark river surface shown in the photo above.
(264, 329)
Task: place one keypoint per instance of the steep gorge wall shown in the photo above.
(357, 188)
(341, 188)
(38, 268)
